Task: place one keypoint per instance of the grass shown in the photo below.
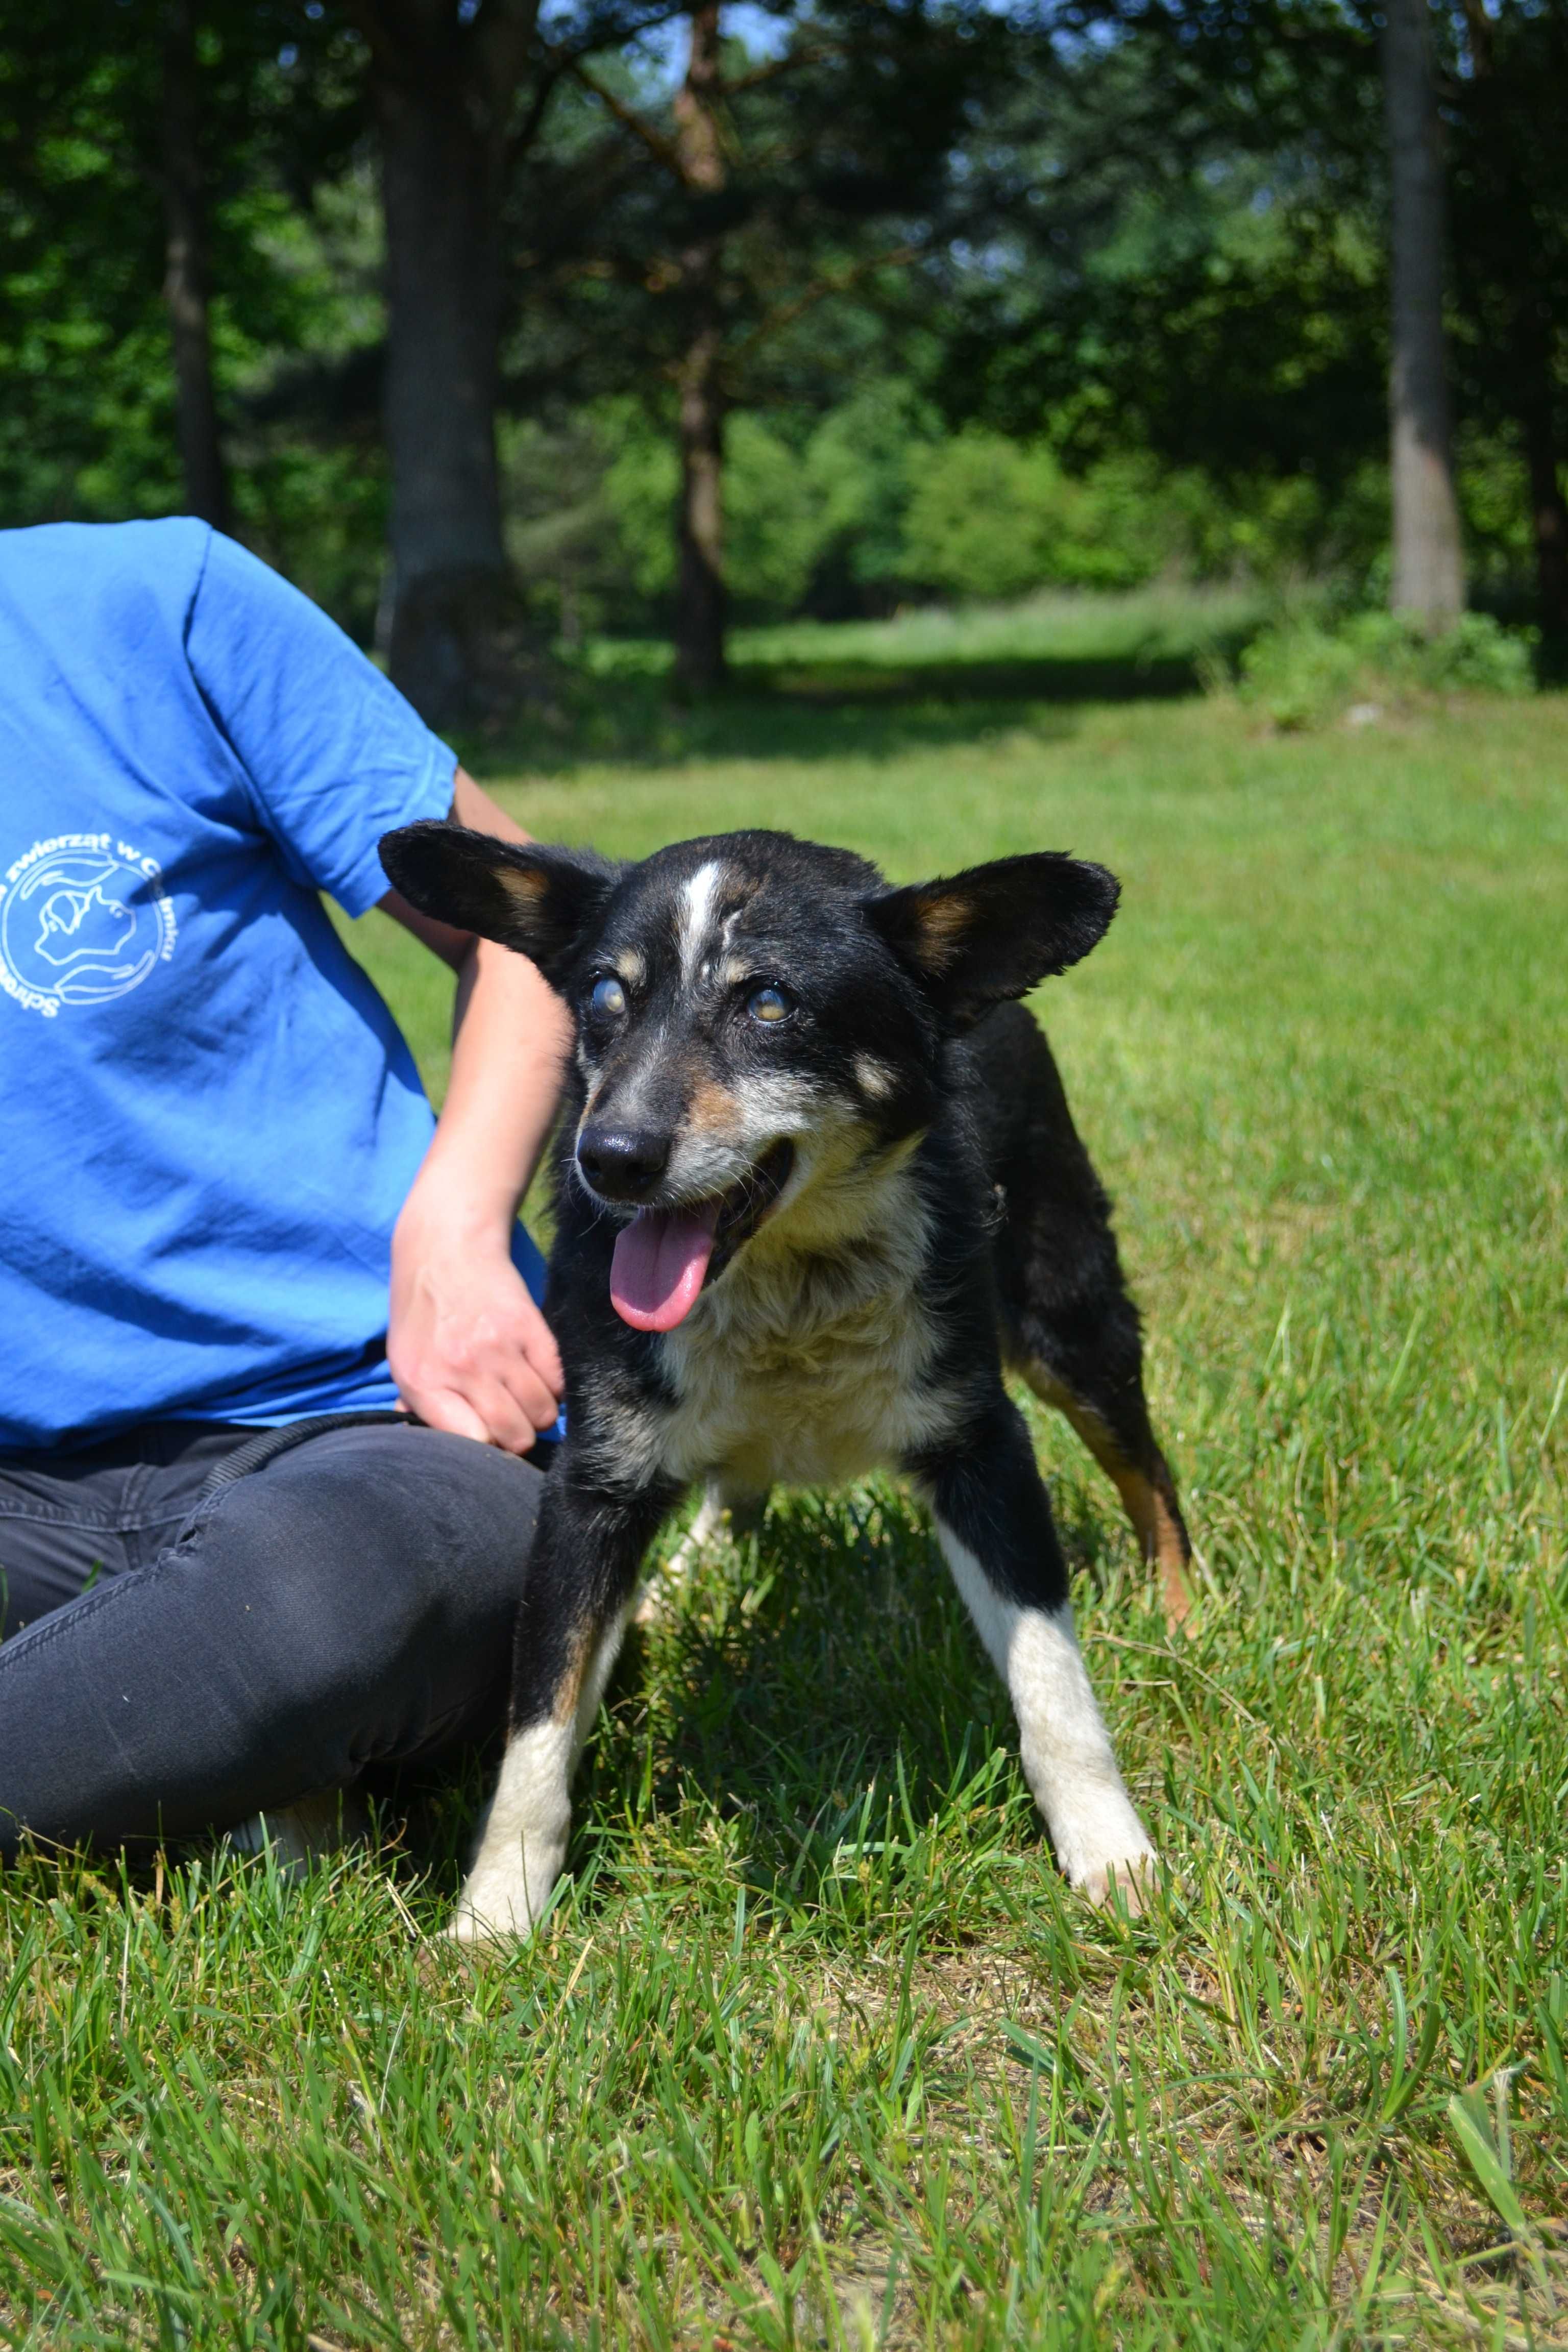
(1150, 640)
(816, 691)
(814, 2047)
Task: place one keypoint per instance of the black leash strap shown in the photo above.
(269, 1444)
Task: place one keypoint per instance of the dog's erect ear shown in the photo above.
(536, 899)
(976, 939)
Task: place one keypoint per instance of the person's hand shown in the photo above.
(468, 1348)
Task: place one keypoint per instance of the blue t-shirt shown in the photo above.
(210, 1119)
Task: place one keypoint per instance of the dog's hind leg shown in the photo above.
(1070, 1329)
(994, 1526)
(1068, 1324)
(1111, 1416)
(576, 1592)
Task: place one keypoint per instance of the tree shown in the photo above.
(1429, 563)
(460, 90)
(699, 156)
(141, 145)
(685, 246)
(1186, 268)
(444, 80)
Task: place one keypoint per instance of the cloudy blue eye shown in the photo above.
(769, 1003)
(608, 998)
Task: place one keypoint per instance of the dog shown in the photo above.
(817, 1186)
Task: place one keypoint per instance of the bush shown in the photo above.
(1476, 655)
(989, 518)
(783, 509)
(1303, 672)
(1299, 673)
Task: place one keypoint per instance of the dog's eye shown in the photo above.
(608, 998)
(768, 1004)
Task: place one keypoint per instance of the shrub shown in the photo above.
(1303, 672)
(989, 518)
(1299, 673)
(1476, 655)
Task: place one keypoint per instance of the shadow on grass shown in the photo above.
(822, 1681)
(803, 1681)
(1034, 678)
(823, 709)
(632, 721)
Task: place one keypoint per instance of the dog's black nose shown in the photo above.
(622, 1163)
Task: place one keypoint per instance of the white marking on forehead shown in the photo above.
(695, 924)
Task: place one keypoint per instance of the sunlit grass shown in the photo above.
(816, 2048)
(1144, 624)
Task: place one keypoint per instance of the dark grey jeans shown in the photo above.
(162, 1674)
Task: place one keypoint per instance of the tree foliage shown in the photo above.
(985, 298)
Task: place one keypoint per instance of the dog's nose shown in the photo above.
(622, 1163)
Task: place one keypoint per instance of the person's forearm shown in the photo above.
(468, 1348)
(511, 1034)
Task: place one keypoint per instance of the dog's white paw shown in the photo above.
(465, 1927)
(508, 1891)
(1132, 1879)
(503, 1905)
(656, 1590)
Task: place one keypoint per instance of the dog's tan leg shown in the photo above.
(523, 1837)
(1148, 1495)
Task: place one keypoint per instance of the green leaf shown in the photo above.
(1467, 2121)
(1404, 2085)
(1033, 2053)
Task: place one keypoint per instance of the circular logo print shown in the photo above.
(83, 918)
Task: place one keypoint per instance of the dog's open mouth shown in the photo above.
(663, 1256)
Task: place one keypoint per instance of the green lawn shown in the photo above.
(816, 2048)
(1151, 640)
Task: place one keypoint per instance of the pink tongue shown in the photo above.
(659, 1261)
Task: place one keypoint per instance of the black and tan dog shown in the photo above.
(818, 1183)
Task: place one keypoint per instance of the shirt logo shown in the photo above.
(83, 918)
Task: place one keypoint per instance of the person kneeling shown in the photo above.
(230, 1209)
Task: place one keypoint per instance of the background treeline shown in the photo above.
(488, 322)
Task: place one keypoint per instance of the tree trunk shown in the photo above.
(1428, 565)
(458, 641)
(185, 271)
(700, 611)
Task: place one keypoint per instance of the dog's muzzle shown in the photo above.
(665, 1255)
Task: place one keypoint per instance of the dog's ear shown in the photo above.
(537, 900)
(975, 938)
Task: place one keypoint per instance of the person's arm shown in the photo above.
(468, 1347)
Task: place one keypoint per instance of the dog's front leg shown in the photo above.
(995, 1529)
(586, 1553)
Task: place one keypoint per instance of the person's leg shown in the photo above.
(57, 1538)
(352, 1601)
(68, 1519)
